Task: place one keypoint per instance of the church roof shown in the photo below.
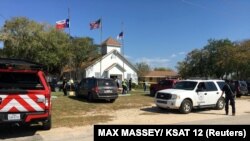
(96, 60)
(111, 42)
(168, 73)
(115, 65)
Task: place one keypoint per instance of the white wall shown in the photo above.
(110, 48)
(107, 62)
(91, 70)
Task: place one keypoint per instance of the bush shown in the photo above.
(134, 85)
(139, 86)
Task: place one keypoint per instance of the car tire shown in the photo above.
(238, 95)
(90, 97)
(220, 104)
(47, 124)
(186, 106)
(77, 94)
(112, 100)
(152, 92)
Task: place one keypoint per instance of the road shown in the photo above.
(145, 115)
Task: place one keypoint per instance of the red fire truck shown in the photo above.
(25, 96)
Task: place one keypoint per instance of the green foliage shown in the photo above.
(162, 69)
(26, 39)
(42, 43)
(82, 50)
(217, 59)
(142, 68)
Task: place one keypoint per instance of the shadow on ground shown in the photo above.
(11, 132)
(155, 109)
(83, 99)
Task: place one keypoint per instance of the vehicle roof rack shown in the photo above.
(20, 64)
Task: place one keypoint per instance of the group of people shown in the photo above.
(64, 85)
(126, 85)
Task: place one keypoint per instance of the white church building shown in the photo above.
(112, 64)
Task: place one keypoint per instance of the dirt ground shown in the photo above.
(145, 115)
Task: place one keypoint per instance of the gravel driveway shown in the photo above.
(145, 115)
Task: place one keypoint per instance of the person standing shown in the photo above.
(124, 87)
(130, 84)
(117, 83)
(64, 85)
(144, 85)
(229, 90)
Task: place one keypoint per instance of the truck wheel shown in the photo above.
(152, 92)
(112, 100)
(238, 95)
(47, 124)
(186, 106)
(77, 94)
(90, 97)
(220, 104)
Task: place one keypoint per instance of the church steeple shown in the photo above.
(109, 45)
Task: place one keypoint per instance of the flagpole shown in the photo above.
(123, 50)
(69, 20)
(101, 31)
(70, 65)
(70, 57)
(101, 47)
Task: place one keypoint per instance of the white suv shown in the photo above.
(189, 94)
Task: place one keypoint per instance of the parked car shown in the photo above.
(97, 88)
(192, 94)
(241, 88)
(163, 84)
(25, 96)
(55, 86)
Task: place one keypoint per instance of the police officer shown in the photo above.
(124, 87)
(229, 90)
(64, 85)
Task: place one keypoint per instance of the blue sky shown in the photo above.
(159, 32)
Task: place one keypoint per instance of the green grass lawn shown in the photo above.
(72, 111)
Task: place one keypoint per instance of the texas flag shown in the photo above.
(62, 24)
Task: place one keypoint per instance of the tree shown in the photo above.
(42, 43)
(82, 49)
(214, 60)
(162, 69)
(192, 65)
(218, 57)
(242, 60)
(182, 67)
(143, 68)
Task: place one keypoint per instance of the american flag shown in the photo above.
(95, 24)
(120, 36)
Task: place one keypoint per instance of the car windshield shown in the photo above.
(25, 81)
(185, 85)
